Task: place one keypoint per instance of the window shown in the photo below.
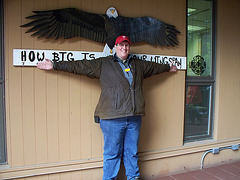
(2, 100)
(200, 70)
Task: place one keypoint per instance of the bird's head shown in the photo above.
(112, 12)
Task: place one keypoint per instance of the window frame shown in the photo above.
(203, 81)
(2, 81)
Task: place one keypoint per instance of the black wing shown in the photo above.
(145, 29)
(67, 23)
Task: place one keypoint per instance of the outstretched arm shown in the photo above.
(45, 65)
(89, 68)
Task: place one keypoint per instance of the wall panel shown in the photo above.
(13, 82)
(228, 62)
(50, 121)
(49, 114)
(28, 101)
(40, 97)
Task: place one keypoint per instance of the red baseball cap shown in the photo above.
(121, 39)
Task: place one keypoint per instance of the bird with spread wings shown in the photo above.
(104, 28)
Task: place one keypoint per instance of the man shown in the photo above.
(121, 104)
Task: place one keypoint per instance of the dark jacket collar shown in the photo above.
(129, 58)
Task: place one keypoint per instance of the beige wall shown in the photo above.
(50, 127)
(228, 73)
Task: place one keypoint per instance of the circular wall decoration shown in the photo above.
(198, 65)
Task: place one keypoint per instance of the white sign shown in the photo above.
(28, 57)
(180, 62)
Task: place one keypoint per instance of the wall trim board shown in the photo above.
(94, 163)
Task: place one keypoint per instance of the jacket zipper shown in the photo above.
(132, 87)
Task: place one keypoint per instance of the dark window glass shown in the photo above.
(200, 72)
(198, 111)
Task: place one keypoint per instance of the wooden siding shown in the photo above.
(49, 115)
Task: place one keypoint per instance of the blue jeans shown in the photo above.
(121, 137)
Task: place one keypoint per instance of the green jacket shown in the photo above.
(118, 98)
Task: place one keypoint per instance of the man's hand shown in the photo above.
(173, 68)
(46, 65)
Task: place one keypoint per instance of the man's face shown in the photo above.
(122, 50)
